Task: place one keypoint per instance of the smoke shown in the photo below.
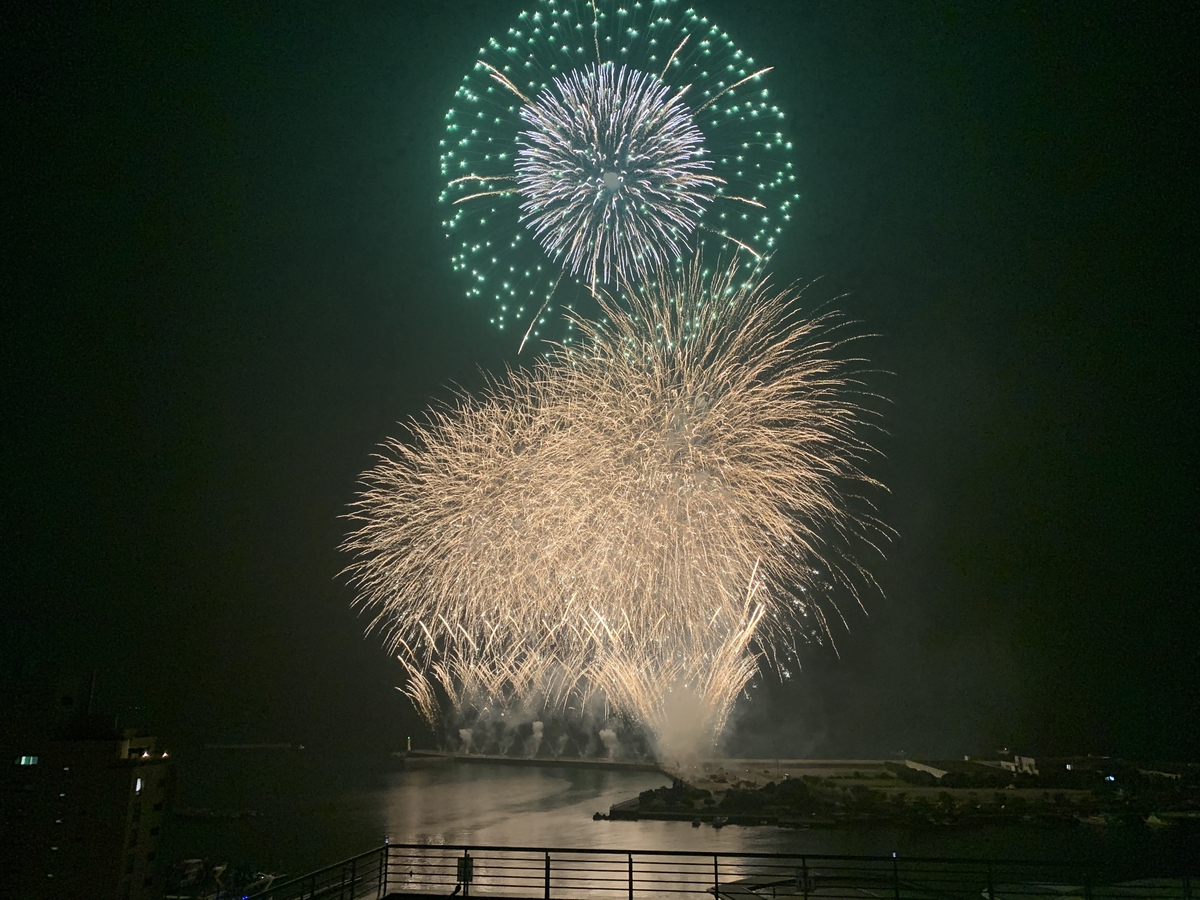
(505, 737)
(611, 744)
(527, 730)
(684, 738)
(535, 739)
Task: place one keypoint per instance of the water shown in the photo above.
(313, 810)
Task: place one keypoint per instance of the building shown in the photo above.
(80, 815)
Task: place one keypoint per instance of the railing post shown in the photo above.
(353, 877)
(896, 877)
(991, 887)
(631, 876)
(804, 869)
(547, 875)
(382, 865)
(716, 880)
(1187, 887)
(1087, 884)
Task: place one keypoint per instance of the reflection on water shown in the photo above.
(551, 807)
(449, 803)
(312, 811)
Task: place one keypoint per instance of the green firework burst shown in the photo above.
(491, 213)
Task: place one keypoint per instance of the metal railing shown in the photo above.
(541, 873)
(360, 876)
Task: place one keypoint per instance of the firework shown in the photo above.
(595, 142)
(650, 516)
(611, 172)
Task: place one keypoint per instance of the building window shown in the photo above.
(27, 761)
(137, 787)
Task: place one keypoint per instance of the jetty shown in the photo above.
(567, 762)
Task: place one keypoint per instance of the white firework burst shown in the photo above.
(612, 172)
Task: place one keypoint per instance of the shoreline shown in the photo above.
(441, 756)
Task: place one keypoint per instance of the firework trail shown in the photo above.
(650, 516)
(594, 143)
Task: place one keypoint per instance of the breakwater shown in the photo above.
(565, 762)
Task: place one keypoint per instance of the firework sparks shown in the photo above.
(649, 516)
(594, 142)
(612, 172)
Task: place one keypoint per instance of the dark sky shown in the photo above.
(224, 283)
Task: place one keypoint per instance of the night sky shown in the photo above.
(225, 283)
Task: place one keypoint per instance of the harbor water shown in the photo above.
(294, 811)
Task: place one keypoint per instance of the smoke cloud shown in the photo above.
(611, 744)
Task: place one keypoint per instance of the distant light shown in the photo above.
(1110, 777)
(1068, 767)
(137, 787)
(27, 761)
